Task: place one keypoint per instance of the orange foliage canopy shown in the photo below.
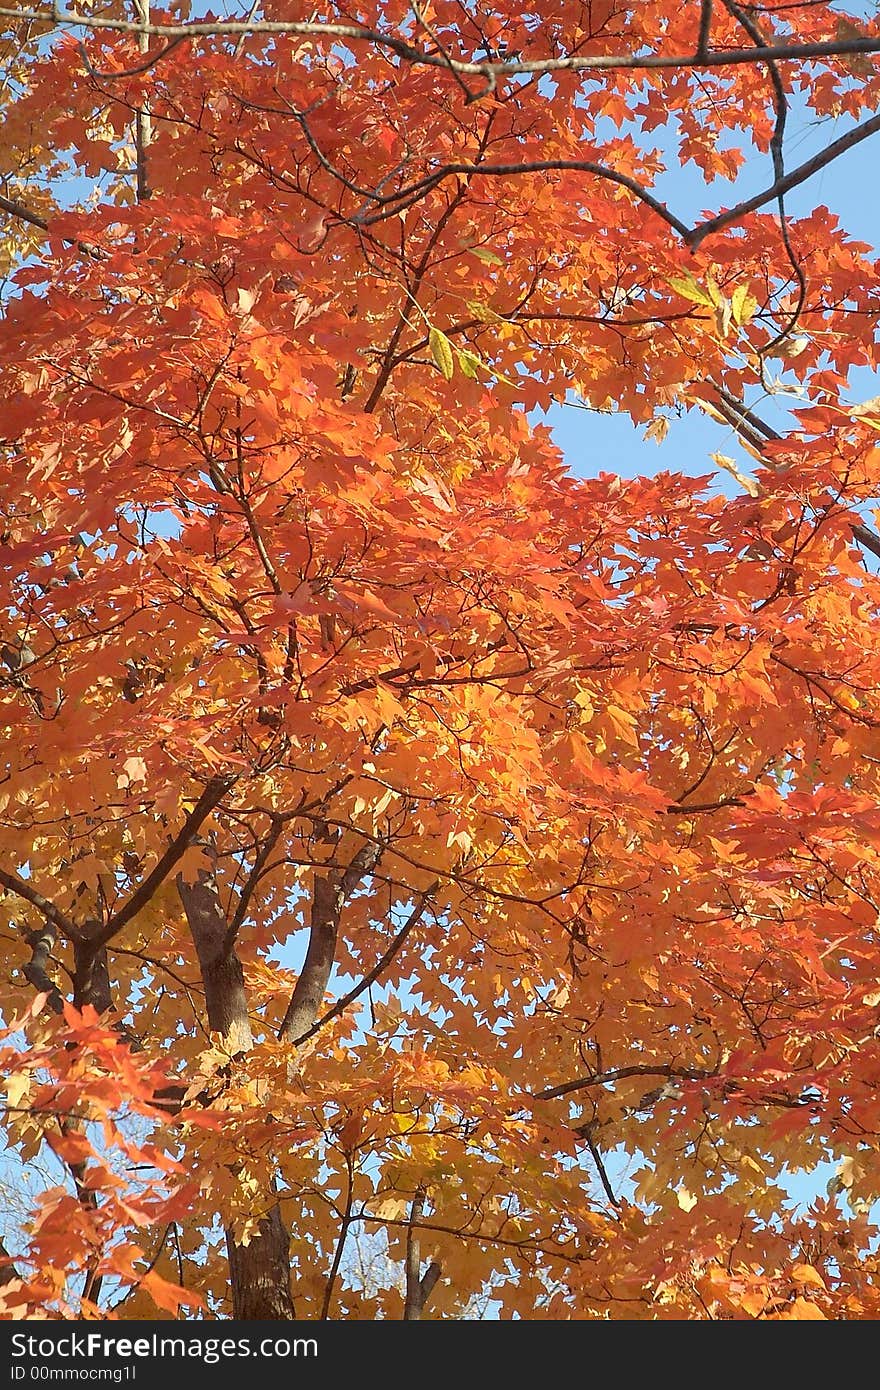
(443, 879)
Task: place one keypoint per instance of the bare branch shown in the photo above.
(600, 1166)
(605, 1078)
(705, 30)
(516, 169)
(253, 879)
(419, 1287)
(16, 209)
(35, 972)
(143, 126)
(790, 180)
(701, 808)
(491, 71)
(344, 1228)
(756, 433)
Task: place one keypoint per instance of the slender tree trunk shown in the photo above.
(260, 1270)
(91, 985)
(419, 1286)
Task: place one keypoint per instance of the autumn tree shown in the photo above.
(405, 845)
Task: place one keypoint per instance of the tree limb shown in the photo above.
(372, 975)
(330, 893)
(419, 1287)
(780, 186)
(490, 71)
(210, 797)
(23, 889)
(42, 944)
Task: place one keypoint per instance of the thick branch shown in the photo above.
(210, 797)
(253, 879)
(705, 30)
(42, 944)
(16, 209)
(491, 72)
(330, 893)
(516, 168)
(222, 975)
(20, 886)
(419, 1287)
(91, 976)
(143, 126)
(259, 1270)
(381, 965)
(782, 185)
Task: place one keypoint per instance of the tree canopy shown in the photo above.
(434, 882)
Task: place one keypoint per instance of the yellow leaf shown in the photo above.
(742, 305)
(805, 1311)
(441, 351)
(657, 429)
(624, 723)
(685, 1199)
(17, 1087)
(806, 1274)
(788, 347)
(689, 288)
(469, 362)
(723, 318)
(870, 407)
(585, 704)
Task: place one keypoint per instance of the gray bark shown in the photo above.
(328, 901)
(419, 1287)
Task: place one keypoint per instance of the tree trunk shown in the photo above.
(260, 1270)
(419, 1287)
(91, 977)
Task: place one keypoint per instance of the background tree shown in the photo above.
(405, 840)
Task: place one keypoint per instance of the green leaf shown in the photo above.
(688, 288)
(484, 312)
(743, 305)
(441, 351)
(469, 362)
(483, 253)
